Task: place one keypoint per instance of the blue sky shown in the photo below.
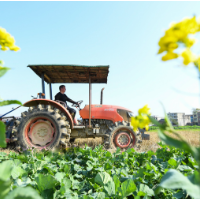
(123, 35)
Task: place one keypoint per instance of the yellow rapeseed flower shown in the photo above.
(191, 26)
(198, 21)
(176, 32)
(142, 119)
(144, 110)
(189, 42)
(166, 40)
(7, 41)
(134, 123)
(197, 63)
(188, 56)
(169, 55)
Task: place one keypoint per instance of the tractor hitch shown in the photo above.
(145, 136)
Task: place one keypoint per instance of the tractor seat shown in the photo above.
(65, 105)
(62, 103)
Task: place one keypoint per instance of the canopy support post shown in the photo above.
(43, 86)
(50, 91)
(90, 100)
(101, 98)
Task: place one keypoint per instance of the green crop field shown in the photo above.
(152, 128)
(98, 174)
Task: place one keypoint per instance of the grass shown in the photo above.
(178, 130)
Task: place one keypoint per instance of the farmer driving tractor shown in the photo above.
(61, 96)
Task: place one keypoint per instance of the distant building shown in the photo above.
(188, 119)
(177, 119)
(196, 116)
(157, 117)
(162, 121)
(181, 119)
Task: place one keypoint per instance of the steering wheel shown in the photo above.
(79, 103)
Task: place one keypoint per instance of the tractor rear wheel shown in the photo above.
(42, 127)
(121, 135)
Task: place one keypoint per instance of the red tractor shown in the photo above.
(48, 124)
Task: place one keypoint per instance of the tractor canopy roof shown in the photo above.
(72, 73)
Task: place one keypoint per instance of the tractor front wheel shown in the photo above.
(120, 135)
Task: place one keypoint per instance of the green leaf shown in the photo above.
(48, 193)
(108, 166)
(59, 176)
(100, 195)
(23, 182)
(195, 178)
(5, 170)
(180, 195)
(140, 193)
(17, 172)
(4, 188)
(117, 182)
(145, 189)
(127, 188)
(2, 134)
(65, 185)
(173, 162)
(67, 168)
(184, 168)
(3, 70)
(102, 178)
(23, 193)
(8, 102)
(110, 188)
(173, 179)
(5, 173)
(78, 184)
(17, 162)
(45, 182)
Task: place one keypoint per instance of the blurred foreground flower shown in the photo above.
(188, 56)
(7, 41)
(142, 120)
(178, 35)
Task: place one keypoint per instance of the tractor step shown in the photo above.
(79, 127)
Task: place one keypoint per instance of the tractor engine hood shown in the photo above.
(107, 112)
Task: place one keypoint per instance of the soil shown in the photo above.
(191, 136)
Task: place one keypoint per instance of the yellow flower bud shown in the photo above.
(169, 56)
(134, 123)
(188, 56)
(144, 110)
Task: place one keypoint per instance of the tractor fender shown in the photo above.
(35, 102)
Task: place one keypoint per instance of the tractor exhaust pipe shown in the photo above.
(101, 98)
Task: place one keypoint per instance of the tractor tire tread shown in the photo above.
(61, 124)
(108, 142)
